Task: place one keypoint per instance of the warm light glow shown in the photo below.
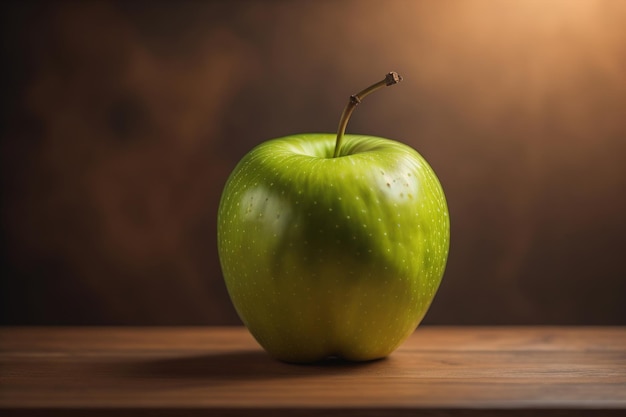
(125, 118)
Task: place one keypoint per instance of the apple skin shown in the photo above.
(332, 257)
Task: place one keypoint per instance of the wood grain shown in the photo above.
(198, 370)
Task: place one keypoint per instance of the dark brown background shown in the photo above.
(122, 121)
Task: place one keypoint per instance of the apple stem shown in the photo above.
(390, 79)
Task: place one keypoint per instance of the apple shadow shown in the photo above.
(227, 367)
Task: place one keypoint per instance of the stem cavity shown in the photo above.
(355, 99)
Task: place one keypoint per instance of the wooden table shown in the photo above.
(439, 371)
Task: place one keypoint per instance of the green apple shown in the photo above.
(333, 245)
